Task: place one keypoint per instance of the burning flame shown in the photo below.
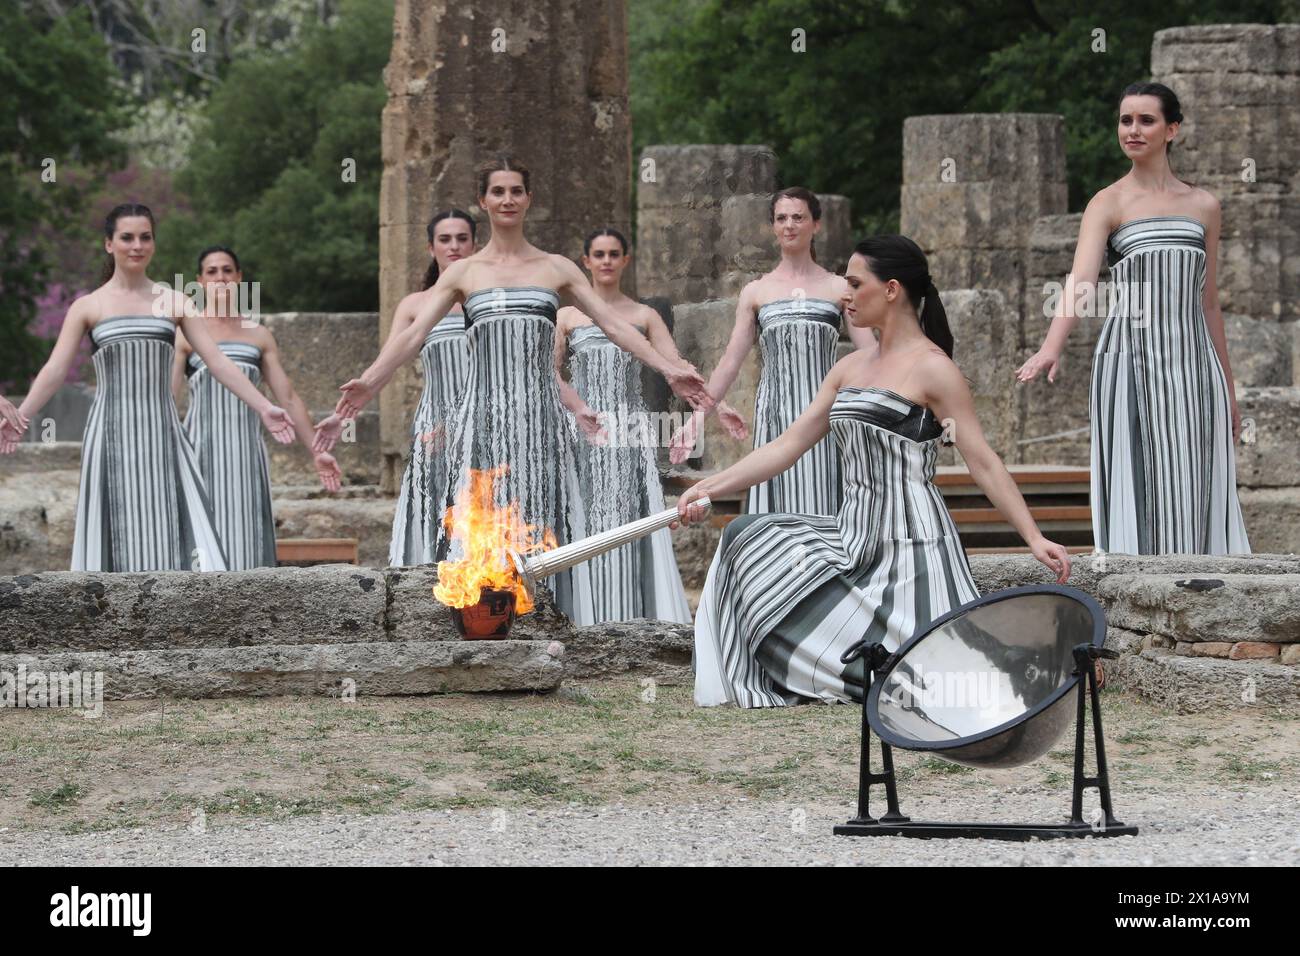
(486, 534)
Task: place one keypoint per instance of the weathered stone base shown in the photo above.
(304, 631)
(1197, 684)
(366, 669)
(656, 650)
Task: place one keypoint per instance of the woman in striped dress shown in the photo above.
(510, 414)
(444, 359)
(143, 504)
(795, 311)
(227, 441)
(617, 470)
(786, 594)
(1163, 407)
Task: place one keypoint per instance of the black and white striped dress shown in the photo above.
(445, 359)
(620, 480)
(786, 595)
(228, 444)
(797, 338)
(510, 414)
(142, 504)
(1163, 468)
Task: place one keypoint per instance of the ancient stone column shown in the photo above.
(684, 193)
(1239, 85)
(544, 80)
(974, 185)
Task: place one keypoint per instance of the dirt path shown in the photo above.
(149, 778)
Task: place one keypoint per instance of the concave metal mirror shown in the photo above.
(992, 684)
(989, 687)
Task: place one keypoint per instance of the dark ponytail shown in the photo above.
(110, 227)
(898, 257)
(431, 273)
(809, 199)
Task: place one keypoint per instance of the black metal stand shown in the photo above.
(893, 823)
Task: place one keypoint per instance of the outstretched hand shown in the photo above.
(12, 416)
(1054, 556)
(1040, 361)
(591, 427)
(356, 396)
(683, 441)
(328, 430)
(279, 424)
(688, 383)
(9, 437)
(327, 469)
(732, 421)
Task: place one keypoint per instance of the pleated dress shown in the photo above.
(620, 481)
(787, 594)
(1163, 467)
(797, 339)
(228, 444)
(445, 361)
(510, 414)
(142, 504)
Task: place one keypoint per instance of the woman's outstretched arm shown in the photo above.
(1082, 281)
(949, 397)
(767, 461)
(402, 346)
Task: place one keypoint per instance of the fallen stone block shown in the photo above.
(1188, 684)
(364, 669)
(658, 651)
(1218, 608)
(83, 611)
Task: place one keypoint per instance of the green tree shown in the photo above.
(721, 71)
(58, 106)
(286, 163)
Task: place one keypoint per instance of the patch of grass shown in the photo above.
(582, 763)
(1239, 769)
(59, 798)
(632, 760)
(933, 764)
(509, 756)
(539, 783)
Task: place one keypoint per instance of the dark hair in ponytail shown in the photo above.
(808, 197)
(605, 231)
(211, 249)
(431, 273)
(898, 257)
(125, 209)
(1169, 105)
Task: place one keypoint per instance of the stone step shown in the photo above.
(198, 620)
(325, 604)
(366, 669)
(1197, 684)
(1090, 572)
(1219, 608)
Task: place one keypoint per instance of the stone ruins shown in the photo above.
(554, 91)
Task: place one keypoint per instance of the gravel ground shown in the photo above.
(1205, 827)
